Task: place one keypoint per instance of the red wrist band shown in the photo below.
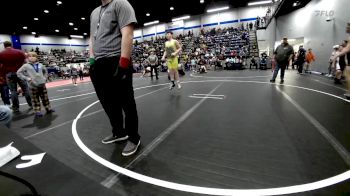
(124, 62)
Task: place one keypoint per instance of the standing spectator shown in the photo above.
(339, 65)
(35, 74)
(283, 54)
(346, 52)
(193, 64)
(81, 74)
(74, 75)
(253, 63)
(330, 66)
(310, 58)
(153, 62)
(11, 60)
(301, 59)
(251, 26)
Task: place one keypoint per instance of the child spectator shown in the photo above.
(35, 74)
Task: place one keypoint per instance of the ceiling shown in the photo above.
(289, 6)
(17, 14)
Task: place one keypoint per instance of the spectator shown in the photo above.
(81, 74)
(11, 60)
(339, 65)
(74, 75)
(153, 62)
(310, 58)
(301, 59)
(35, 74)
(283, 54)
(253, 63)
(346, 52)
(331, 69)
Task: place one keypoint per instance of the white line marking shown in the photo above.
(323, 131)
(63, 98)
(62, 85)
(258, 82)
(343, 89)
(199, 97)
(146, 77)
(75, 92)
(62, 90)
(110, 181)
(238, 77)
(72, 101)
(150, 93)
(49, 129)
(212, 191)
(60, 125)
(209, 95)
(89, 114)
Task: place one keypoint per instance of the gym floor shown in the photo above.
(224, 130)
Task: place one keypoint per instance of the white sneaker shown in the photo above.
(178, 85)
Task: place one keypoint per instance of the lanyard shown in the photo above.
(101, 14)
(36, 67)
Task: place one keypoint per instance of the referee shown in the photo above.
(111, 30)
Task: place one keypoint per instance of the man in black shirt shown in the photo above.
(283, 54)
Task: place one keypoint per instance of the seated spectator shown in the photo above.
(253, 63)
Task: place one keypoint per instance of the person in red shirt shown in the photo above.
(11, 60)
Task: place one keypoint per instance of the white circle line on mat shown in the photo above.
(206, 190)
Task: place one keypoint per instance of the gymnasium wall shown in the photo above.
(267, 38)
(310, 23)
(222, 19)
(45, 43)
(228, 18)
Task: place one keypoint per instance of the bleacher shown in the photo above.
(228, 42)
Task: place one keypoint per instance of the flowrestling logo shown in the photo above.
(324, 13)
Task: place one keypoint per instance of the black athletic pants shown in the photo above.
(300, 66)
(154, 67)
(115, 91)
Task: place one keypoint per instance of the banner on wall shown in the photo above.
(16, 42)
